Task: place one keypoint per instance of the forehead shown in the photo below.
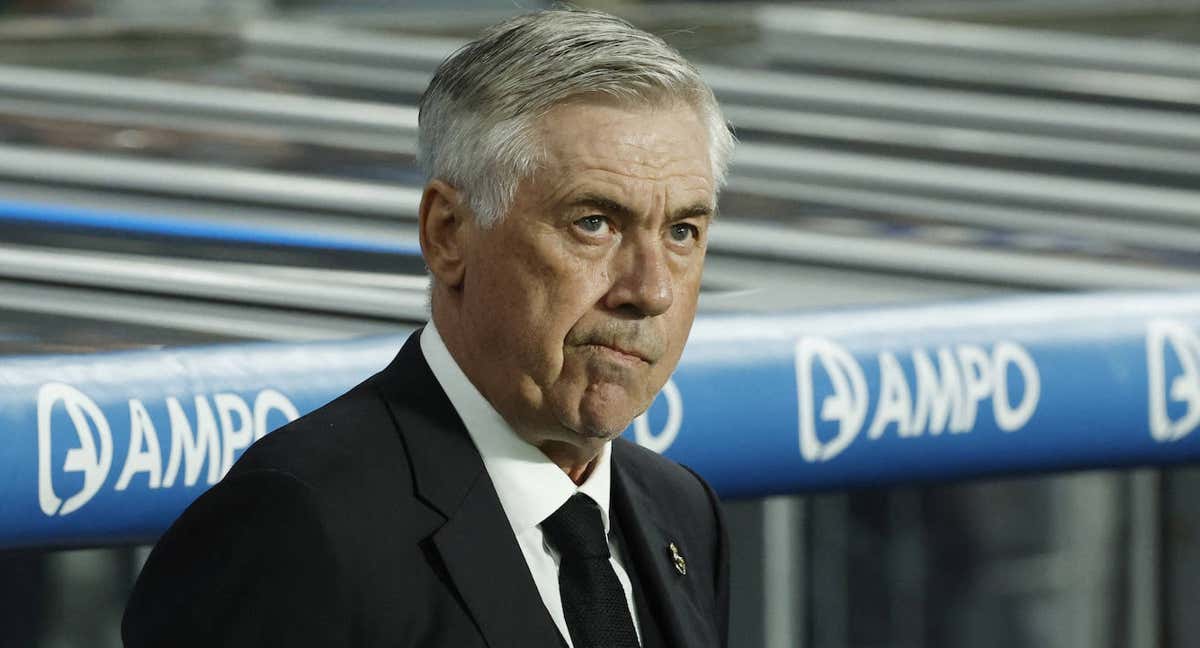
(604, 143)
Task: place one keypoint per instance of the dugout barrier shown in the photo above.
(109, 448)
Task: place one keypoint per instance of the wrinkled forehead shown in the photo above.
(665, 145)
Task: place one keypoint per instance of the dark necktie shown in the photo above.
(593, 601)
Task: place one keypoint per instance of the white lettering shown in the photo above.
(216, 445)
(847, 404)
(976, 368)
(938, 398)
(234, 436)
(1008, 417)
(195, 449)
(947, 395)
(895, 400)
(1184, 388)
(267, 401)
(93, 457)
(144, 454)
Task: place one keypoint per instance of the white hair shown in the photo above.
(479, 115)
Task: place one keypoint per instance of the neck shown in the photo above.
(575, 459)
(578, 465)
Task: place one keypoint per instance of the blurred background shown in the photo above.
(891, 152)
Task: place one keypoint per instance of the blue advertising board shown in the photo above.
(109, 448)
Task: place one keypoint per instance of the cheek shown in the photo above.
(565, 287)
(498, 299)
(530, 298)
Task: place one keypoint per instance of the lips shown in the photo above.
(633, 342)
(633, 354)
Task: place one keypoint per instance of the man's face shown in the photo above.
(578, 302)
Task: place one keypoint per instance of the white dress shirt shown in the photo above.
(530, 486)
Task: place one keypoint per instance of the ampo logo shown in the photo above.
(945, 396)
(663, 440)
(93, 457)
(847, 404)
(203, 443)
(1171, 338)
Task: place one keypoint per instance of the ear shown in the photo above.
(443, 227)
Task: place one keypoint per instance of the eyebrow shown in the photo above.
(607, 205)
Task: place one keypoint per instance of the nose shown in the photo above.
(642, 281)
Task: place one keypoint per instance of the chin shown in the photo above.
(605, 420)
(590, 420)
(601, 411)
(601, 431)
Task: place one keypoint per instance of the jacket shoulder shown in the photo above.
(352, 433)
(236, 567)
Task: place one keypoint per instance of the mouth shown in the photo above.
(628, 356)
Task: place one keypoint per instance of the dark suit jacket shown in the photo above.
(372, 522)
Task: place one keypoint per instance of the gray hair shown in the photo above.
(478, 117)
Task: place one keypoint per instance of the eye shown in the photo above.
(684, 232)
(594, 224)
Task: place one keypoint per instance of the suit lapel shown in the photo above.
(490, 573)
(648, 536)
(476, 543)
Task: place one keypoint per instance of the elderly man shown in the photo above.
(475, 493)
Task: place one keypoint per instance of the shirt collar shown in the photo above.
(529, 485)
